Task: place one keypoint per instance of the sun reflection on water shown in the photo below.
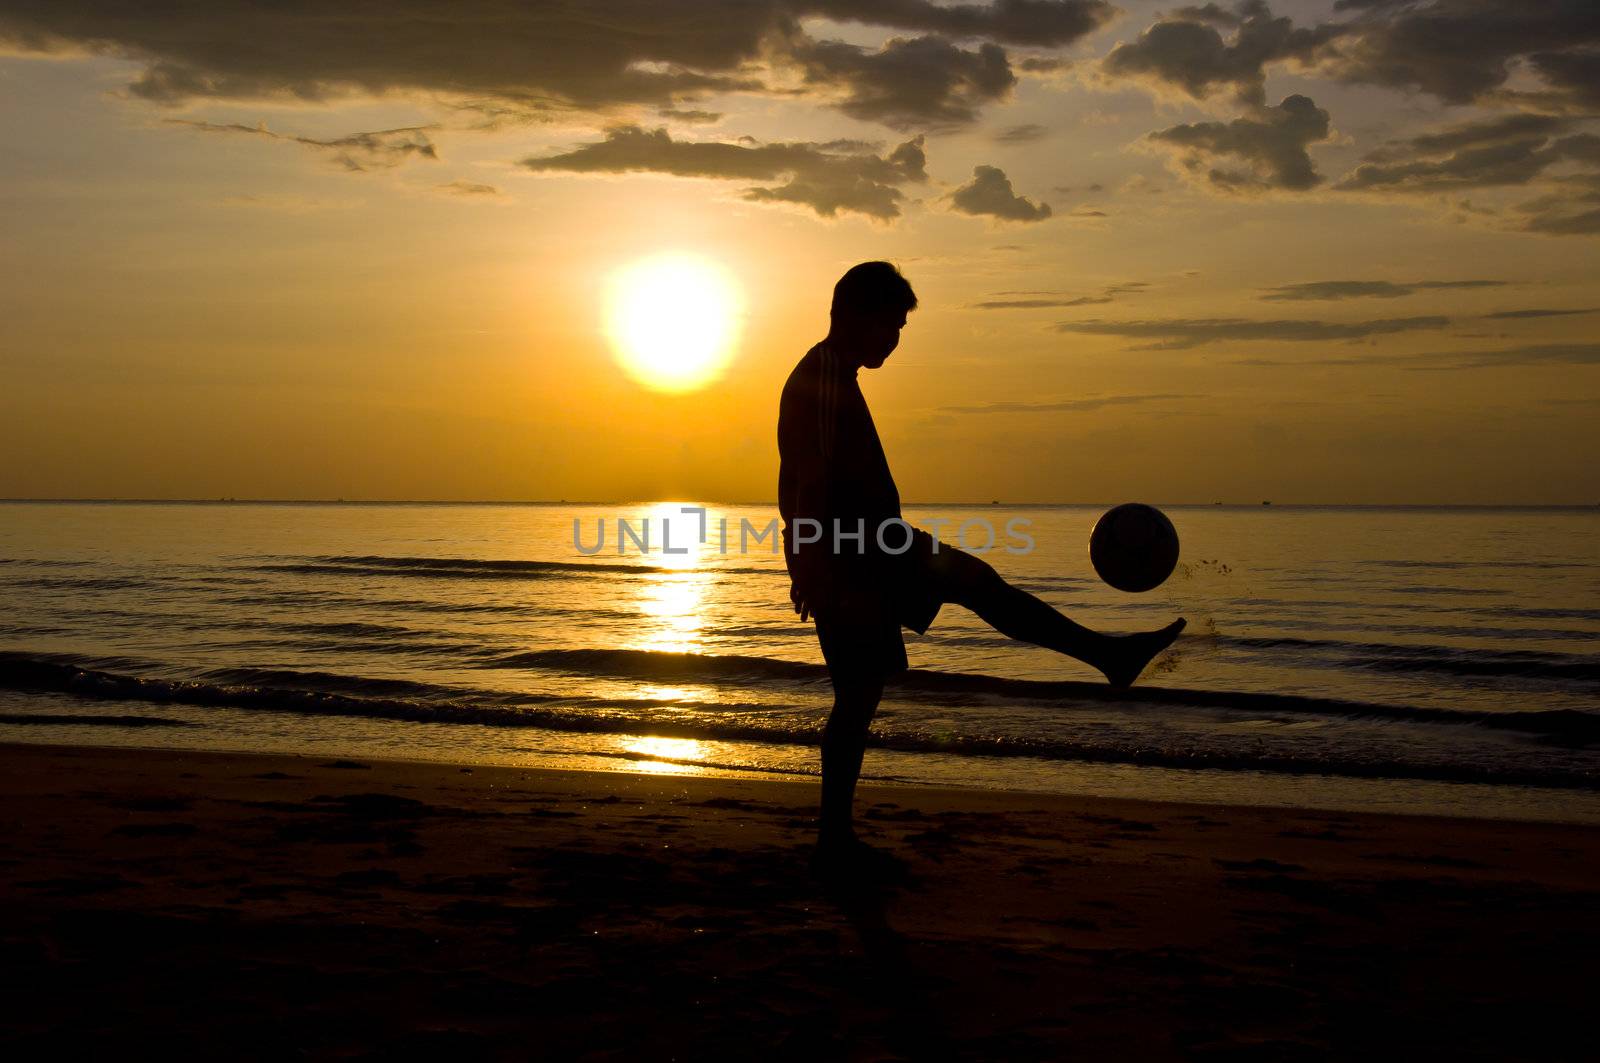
(662, 756)
(674, 613)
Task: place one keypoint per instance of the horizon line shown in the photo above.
(760, 503)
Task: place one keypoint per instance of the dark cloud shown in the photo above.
(681, 114)
(1183, 333)
(1511, 150)
(1573, 77)
(908, 83)
(1331, 290)
(1499, 130)
(357, 153)
(1517, 315)
(469, 189)
(1506, 151)
(1035, 304)
(1462, 50)
(1188, 52)
(1039, 300)
(1541, 354)
(1271, 142)
(828, 178)
(1064, 405)
(989, 193)
(1043, 64)
(1022, 134)
(1042, 23)
(1208, 13)
(1572, 209)
(537, 58)
(1448, 361)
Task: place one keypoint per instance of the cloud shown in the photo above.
(469, 189)
(1064, 405)
(1449, 361)
(1038, 23)
(1573, 77)
(915, 83)
(1187, 52)
(1459, 51)
(989, 193)
(1271, 142)
(1041, 300)
(357, 153)
(827, 178)
(1462, 51)
(1510, 150)
(1470, 135)
(1571, 209)
(1332, 290)
(1517, 315)
(545, 58)
(1506, 151)
(1540, 354)
(680, 114)
(1041, 64)
(1184, 333)
(1211, 13)
(1022, 134)
(1034, 304)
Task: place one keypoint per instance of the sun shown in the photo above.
(673, 320)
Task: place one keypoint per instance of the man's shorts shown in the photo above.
(880, 594)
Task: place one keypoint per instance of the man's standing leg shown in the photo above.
(844, 743)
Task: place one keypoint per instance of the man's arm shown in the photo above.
(810, 578)
(807, 427)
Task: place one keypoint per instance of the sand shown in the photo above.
(265, 906)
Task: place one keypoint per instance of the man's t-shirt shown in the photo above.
(831, 462)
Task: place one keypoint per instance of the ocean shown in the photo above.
(1442, 661)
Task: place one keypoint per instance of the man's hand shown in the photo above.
(810, 588)
(801, 605)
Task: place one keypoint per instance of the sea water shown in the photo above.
(1431, 660)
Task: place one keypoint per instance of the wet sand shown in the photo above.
(268, 906)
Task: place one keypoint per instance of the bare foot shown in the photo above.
(1127, 655)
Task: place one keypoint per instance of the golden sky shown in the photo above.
(1311, 252)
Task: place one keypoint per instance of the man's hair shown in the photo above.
(871, 288)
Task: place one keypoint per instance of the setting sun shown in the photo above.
(673, 320)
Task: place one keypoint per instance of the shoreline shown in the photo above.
(1090, 780)
(274, 903)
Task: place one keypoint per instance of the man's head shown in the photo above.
(870, 304)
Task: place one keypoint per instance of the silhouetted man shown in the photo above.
(860, 572)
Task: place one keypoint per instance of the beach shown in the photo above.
(199, 902)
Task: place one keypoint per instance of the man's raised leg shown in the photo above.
(973, 583)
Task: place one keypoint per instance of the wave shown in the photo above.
(316, 693)
(319, 694)
(1452, 565)
(67, 719)
(43, 563)
(1568, 725)
(1401, 657)
(478, 568)
(1544, 614)
(86, 583)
